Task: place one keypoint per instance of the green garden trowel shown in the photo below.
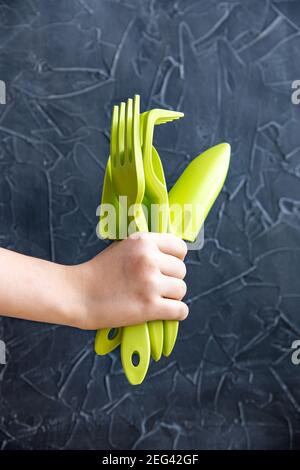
(196, 190)
(190, 201)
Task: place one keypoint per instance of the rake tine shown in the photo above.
(128, 131)
(121, 135)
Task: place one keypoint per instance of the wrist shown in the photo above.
(75, 309)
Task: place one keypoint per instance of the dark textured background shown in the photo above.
(229, 66)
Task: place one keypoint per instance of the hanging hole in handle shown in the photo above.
(112, 333)
(135, 359)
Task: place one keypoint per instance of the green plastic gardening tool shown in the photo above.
(108, 339)
(156, 194)
(193, 194)
(129, 180)
(198, 186)
(125, 177)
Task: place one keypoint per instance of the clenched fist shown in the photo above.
(134, 280)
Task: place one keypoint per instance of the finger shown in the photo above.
(170, 309)
(172, 288)
(166, 242)
(171, 266)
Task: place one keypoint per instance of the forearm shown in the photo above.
(34, 289)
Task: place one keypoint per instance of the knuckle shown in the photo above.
(138, 236)
(150, 285)
(146, 262)
(148, 303)
(147, 291)
(151, 309)
(142, 257)
(137, 242)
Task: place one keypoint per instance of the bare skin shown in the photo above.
(135, 280)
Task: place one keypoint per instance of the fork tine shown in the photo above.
(136, 126)
(114, 135)
(128, 132)
(121, 135)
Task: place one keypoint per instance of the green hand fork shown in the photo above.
(128, 180)
(107, 339)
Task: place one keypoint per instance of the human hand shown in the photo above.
(132, 281)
